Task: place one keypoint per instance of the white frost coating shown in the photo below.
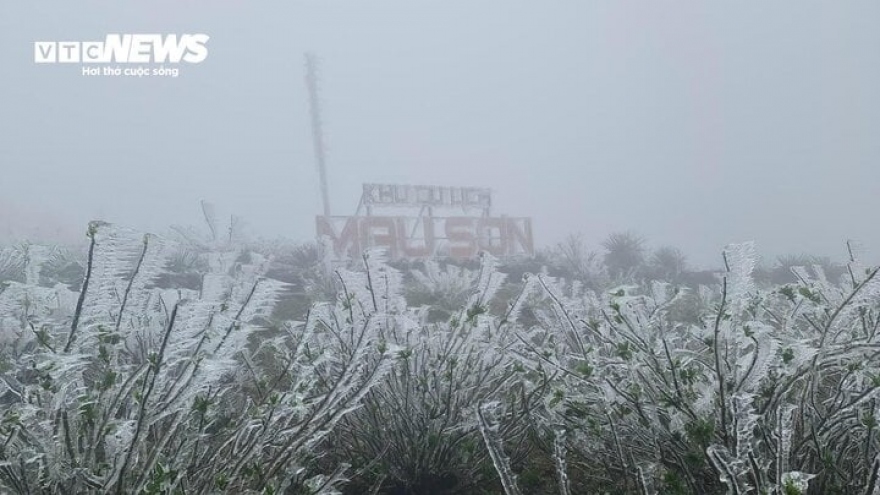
(646, 478)
(784, 432)
(559, 458)
(35, 256)
(489, 429)
(449, 280)
(745, 420)
(741, 261)
(728, 469)
(119, 440)
(797, 480)
(758, 353)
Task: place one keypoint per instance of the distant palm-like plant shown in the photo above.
(576, 262)
(668, 264)
(624, 254)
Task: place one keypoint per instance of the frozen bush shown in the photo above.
(126, 388)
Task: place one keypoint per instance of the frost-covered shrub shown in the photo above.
(131, 383)
(572, 258)
(303, 267)
(418, 431)
(130, 388)
(12, 264)
(441, 290)
(769, 385)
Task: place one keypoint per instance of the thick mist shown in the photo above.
(694, 124)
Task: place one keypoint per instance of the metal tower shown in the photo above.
(317, 132)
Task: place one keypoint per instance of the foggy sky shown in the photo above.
(693, 123)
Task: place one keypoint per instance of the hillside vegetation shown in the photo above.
(181, 364)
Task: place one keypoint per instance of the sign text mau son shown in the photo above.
(428, 237)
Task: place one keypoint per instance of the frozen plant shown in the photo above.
(129, 392)
(774, 391)
(418, 430)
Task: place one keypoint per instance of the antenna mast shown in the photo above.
(317, 133)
